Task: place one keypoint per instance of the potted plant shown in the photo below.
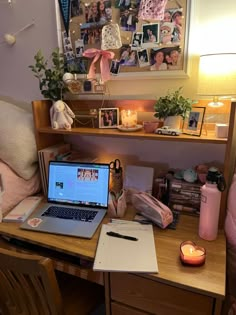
(50, 78)
(172, 107)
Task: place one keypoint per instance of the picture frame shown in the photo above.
(108, 117)
(194, 121)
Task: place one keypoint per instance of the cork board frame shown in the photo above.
(143, 64)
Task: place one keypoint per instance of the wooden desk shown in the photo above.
(177, 289)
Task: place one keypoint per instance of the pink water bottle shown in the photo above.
(210, 204)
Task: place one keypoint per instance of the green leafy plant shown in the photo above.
(50, 78)
(173, 104)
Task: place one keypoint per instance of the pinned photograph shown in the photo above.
(166, 33)
(137, 40)
(67, 47)
(151, 34)
(115, 67)
(168, 58)
(143, 58)
(158, 62)
(76, 9)
(79, 48)
(128, 57)
(91, 37)
(128, 19)
(97, 14)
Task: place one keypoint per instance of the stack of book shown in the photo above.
(59, 152)
(184, 196)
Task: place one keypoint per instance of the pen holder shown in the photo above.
(117, 204)
(116, 180)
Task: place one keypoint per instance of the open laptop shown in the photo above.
(77, 199)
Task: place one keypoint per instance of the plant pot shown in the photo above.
(174, 122)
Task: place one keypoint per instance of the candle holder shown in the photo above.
(191, 254)
(129, 119)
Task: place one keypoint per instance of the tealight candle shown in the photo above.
(191, 254)
(128, 118)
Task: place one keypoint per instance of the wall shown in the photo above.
(209, 20)
(16, 80)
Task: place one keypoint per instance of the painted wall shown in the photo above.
(212, 25)
(213, 22)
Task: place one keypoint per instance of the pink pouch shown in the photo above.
(117, 204)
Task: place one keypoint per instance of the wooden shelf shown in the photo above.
(134, 135)
(46, 136)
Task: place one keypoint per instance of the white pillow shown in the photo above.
(17, 140)
(16, 188)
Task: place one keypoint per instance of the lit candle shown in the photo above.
(128, 118)
(191, 254)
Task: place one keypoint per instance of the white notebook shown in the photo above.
(118, 254)
(21, 211)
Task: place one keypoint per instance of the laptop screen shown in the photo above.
(85, 184)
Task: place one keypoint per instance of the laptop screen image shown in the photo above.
(83, 184)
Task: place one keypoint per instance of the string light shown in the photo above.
(10, 39)
(9, 2)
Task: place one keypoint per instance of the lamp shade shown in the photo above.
(217, 75)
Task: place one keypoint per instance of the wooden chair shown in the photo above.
(29, 286)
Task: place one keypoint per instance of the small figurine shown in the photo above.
(61, 115)
(190, 175)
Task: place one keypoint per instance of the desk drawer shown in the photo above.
(119, 309)
(157, 298)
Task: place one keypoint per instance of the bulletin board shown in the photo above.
(150, 47)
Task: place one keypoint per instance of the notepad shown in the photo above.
(118, 254)
(21, 211)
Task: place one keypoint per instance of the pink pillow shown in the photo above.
(16, 188)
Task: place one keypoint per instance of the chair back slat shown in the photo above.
(28, 285)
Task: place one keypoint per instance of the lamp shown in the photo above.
(217, 76)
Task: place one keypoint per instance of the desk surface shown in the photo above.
(208, 279)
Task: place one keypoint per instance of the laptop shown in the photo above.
(77, 199)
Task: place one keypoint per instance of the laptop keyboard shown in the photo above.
(70, 213)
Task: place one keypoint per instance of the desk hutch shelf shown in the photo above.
(46, 136)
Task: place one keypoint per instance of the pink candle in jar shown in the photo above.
(191, 254)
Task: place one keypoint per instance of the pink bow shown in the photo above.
(104, 64)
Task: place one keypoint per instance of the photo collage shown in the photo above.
(155, 45)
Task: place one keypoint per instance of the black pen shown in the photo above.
(126, 237)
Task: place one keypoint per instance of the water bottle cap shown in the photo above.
(212, 175)
(215, 177)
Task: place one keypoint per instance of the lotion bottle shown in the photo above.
(210, 204)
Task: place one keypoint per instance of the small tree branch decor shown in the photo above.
(50, 78)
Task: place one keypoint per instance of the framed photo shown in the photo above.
(108, 117)
(194, 121)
